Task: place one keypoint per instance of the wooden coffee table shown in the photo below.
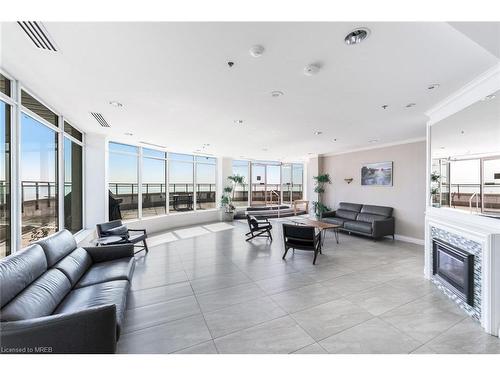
(321, 225)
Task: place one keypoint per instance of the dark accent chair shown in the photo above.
(301, 237)
(368, 220)
(259, 227)
(65, 298)
(114, 206)
(116, 228)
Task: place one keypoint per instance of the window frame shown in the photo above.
(16, 112)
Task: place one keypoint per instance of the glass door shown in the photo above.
(491, 185)
(273, 184)
(258, 188)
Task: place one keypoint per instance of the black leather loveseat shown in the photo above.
(368, 220)
(56, 297)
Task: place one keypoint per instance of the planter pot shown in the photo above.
(227, 216)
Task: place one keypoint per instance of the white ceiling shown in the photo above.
(178, 91)
(474, 130)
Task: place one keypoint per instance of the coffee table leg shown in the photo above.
(337, 235)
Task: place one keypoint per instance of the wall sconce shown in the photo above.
(348, 180)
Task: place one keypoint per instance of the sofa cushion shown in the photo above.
(334, 220)
(19, 270)
(110, 293)
(57, 246)
(121, 231)
(369, 218)
(350, 206)
(377, 210)
(118, 269)
(75, 265)
(39, 299)
(344, 214)
(358, 226)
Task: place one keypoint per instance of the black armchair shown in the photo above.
(259, 227)
(301, 237)
(116, 228)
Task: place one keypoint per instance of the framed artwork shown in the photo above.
(377, 174)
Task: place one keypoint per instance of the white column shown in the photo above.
(96, 179)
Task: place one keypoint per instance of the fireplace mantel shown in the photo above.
(484, 231)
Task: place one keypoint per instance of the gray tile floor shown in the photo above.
(216, 293)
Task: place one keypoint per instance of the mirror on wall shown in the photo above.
(465, 156)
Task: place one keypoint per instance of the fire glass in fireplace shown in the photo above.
(456, 268)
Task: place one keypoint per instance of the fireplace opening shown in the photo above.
(455, 268)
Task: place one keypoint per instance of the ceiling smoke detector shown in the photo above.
(311, 69)
(257, 50)
(357, 36)
(433, 86)
(409, 105)
(276, 93)
(385, 106)
(317, 132)
(116, 104)
(238, 122)
(129, 134)
(489, 97)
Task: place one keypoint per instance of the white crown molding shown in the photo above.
(481, 86)
(382, 145)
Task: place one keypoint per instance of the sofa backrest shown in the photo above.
(377, 210)
(19, 270)
(57, 246)
(35, 280)
(348, 211)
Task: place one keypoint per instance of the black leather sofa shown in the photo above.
(56, 297)
(368, 220)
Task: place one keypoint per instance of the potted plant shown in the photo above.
(226, 204)
(320, 182)
(435, 191)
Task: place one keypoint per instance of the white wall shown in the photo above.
(406, 196)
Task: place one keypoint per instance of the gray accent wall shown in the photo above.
(407, 195)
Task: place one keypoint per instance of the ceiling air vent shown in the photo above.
(100, 119)
(38, 35)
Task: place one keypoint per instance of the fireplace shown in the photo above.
(455, 268)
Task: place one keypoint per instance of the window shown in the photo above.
(123, 181)
(5, 228)
(240, 168)
(38, 108)
(154, 194)
(68, 129)
(286, 183)
(38, 180)
(73, 195)
(4, 85)
(297, 181)
(205, 182)
(181, 182)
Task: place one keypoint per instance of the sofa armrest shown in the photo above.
(383, 227)
(328, 214)
(87, 331)
(110, 252)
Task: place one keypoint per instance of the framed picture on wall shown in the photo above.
(377, 174)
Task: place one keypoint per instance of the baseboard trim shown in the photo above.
(414, 240)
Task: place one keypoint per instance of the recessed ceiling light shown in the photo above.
(385, 106)
(442, 147)
(257, 50)
(462, 132)
(129, 134)
(433, 86)
(334, 140)
(318, 133)
(409, 105)
(489, 97)
(311, 69)
(264, 149)
(277, 93)
(116, 104)
(373, 140)
(238, 122)
(357, 36)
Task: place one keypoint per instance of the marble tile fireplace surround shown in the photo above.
(476, 239)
